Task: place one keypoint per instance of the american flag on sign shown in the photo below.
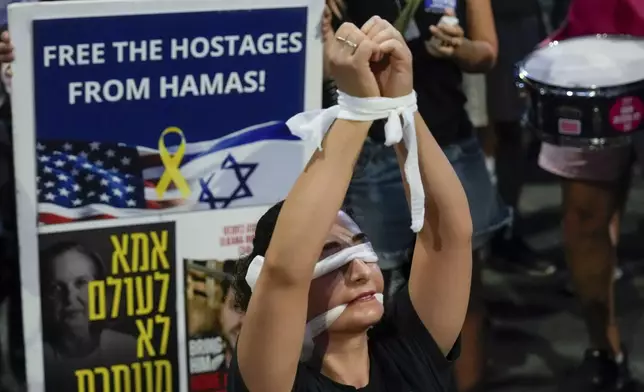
(79, 181)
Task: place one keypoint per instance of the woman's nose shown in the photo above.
(359, 271)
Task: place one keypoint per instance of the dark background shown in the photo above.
(536, 331)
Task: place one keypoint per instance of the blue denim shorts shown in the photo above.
(376, 199)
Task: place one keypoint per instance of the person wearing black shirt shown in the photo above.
(409, 344)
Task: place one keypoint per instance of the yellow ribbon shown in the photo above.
(171, 163)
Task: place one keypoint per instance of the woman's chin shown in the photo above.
(363, 317)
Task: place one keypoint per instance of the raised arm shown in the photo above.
(441, 270)
(271, 338)
(442, 265)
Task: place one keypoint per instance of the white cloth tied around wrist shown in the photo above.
(322, 322)
(399, 112)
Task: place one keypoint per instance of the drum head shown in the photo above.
(588, 62)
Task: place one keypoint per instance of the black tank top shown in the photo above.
(508, 9)
(438, 82)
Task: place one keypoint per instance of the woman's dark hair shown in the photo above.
(263, 235)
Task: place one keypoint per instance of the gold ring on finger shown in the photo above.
(352, 45)
(348, 43)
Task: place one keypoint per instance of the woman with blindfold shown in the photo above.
(312, 289)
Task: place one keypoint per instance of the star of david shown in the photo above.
(242, 171)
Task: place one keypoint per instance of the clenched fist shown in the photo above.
(349, 55)
(392, 61)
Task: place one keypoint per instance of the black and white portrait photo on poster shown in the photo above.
(108, 308)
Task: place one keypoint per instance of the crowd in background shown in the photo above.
(467, 94)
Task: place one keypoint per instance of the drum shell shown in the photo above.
(586, 115)
(589, 109)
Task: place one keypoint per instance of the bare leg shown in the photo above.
(616, 219)
(591, 256)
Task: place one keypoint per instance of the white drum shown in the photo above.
(587, 91)
(588, 62)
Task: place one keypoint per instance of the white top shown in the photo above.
(588, 62)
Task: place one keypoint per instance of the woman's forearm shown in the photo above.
(312, 204)
(475, 56)
(441, 268)
(478, 52)
(446, 208)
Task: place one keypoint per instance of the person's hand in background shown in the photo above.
(475, 53)
(6, 58)
(337, 7)
(327, 38)
(333, 10)
(446, 38)
(6, 48)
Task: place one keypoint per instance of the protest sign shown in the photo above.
(212, 322)
(167, 111)
(109, 308)
(142, 128)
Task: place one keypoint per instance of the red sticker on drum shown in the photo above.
(569, 127)
(626, 114)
